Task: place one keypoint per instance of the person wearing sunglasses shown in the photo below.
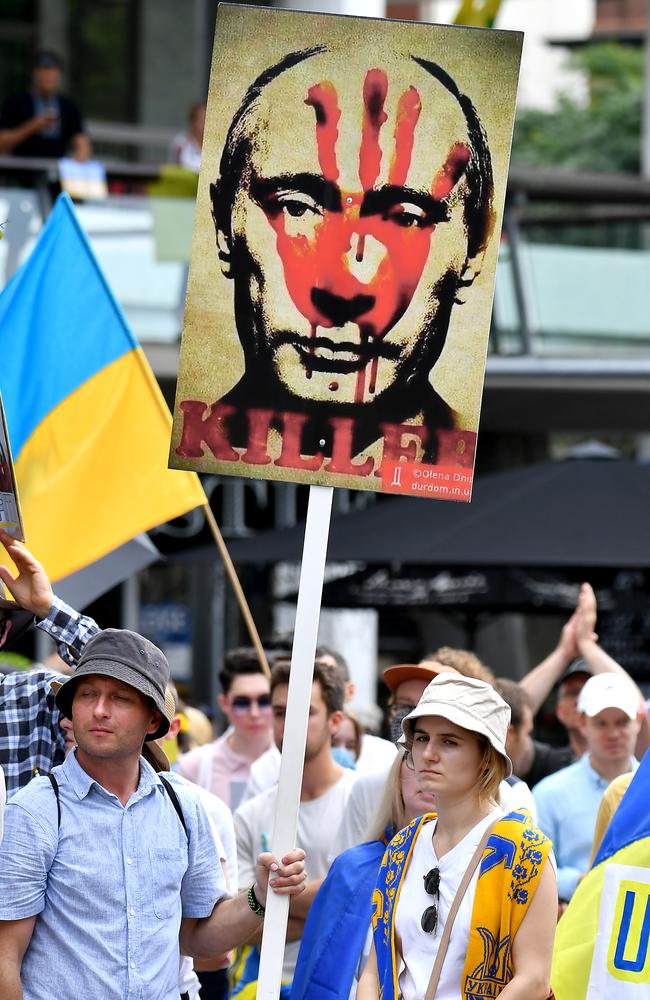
(223, 766)
(465, 901)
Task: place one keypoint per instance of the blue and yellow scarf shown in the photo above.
(509, 873)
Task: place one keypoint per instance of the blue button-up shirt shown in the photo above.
(567, 806)
(108, 887)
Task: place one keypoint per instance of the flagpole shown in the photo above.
(237, 587)
(310, 592)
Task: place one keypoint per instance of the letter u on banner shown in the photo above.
(621, 961)
(628, 947)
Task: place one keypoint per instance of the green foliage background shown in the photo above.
(604, 134)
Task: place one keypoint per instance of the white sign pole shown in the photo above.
(310, 592)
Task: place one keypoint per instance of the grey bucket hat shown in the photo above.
(128, 657)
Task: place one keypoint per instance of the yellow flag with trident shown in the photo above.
(478, 13)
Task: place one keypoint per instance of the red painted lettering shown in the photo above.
(396, 447)
(290, 456)
(204, 425)
(341, 460)
(259, 423)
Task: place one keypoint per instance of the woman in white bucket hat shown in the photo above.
(465, 903)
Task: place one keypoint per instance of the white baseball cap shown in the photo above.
(608, 691)
(467, 702)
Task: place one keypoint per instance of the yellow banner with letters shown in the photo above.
(602, 943)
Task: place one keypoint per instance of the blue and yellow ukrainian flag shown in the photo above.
(602, 941)
(88, 425)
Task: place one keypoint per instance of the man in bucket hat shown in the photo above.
(103, 868)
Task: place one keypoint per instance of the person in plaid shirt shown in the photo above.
(31, 740)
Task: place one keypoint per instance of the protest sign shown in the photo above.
(345, 242)
(10, 517)
(346, 236)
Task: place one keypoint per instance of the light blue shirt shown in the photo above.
(567, 806)
(109, 887)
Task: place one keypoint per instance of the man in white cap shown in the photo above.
(567, 802)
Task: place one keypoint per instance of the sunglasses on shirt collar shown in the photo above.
(429, 920)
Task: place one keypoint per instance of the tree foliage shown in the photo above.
(603, 134)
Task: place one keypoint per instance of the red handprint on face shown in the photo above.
(357, 256)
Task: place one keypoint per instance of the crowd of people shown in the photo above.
(136, 855)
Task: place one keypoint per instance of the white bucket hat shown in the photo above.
(469, 703)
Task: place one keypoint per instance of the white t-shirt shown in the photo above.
(318, 820)
(361, 807)
(264, 774)
(418, 948)
(376, 757)
(223, 832)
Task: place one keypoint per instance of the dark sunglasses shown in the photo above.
(429, 920)
(242, 703)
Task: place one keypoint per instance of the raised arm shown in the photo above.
(600, 662)
(32, 589)
(539, 682)
(12, 137)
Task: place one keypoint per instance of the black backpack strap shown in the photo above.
(55, 787)
(166, 785)
(174, 800)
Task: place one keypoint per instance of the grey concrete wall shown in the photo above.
(53, 27)
(172, 62)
